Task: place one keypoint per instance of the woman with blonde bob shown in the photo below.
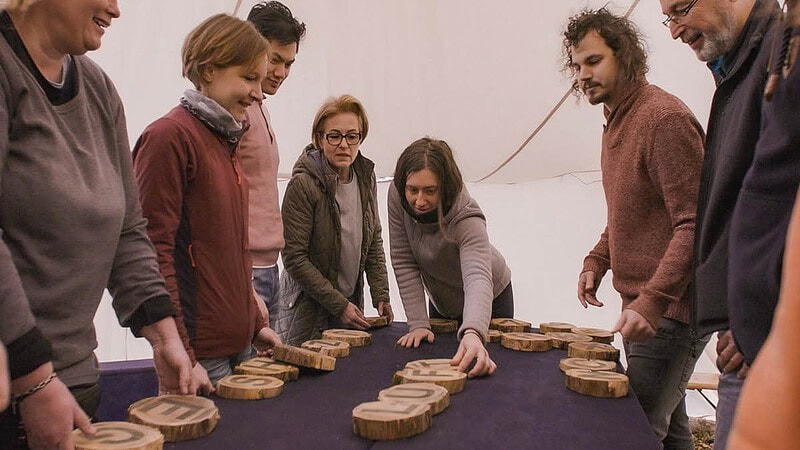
(439, 244)
(332, 229)
(195, 198)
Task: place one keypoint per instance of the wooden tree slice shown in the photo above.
(587, 364)
(495, 335)
(303, 357)
(387, 420)
(356, 338)
(556, 327)
(119, 436)
(178, 417)
(337, 349)
(510, 325)
(452, 380)
(377, 321)
(429, 394)
(526, 342)
(268, 367)
(597, 384)
(592, 350)
(249, 387)
(434, 364)
(562, 340)
(597, 334)
(444, 325)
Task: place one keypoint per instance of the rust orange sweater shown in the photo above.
(651, 158)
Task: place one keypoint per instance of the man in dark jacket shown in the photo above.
(734, 39)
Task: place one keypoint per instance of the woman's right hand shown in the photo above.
(352, 317)
(200, 380)
(415, 337)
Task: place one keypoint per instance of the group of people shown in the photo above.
(186, 231)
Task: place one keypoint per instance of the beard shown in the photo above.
(720, 42)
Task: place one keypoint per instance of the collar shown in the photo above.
(213, 115)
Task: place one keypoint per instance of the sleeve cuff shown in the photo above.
(150, 312)
(28, 352)
(590, 264)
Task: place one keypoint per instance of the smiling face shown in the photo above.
(341, 156)
(78, 26)
(422, 191)
(710, 29)
(597, 70)
(281, 59)
(234, 88)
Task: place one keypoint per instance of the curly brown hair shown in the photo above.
(620, 34)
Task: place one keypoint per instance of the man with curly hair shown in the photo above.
(652, 150)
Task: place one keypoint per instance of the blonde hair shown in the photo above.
(337, 105)
(221, 41)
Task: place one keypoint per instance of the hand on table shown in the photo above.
(633, 326)
(265, 341)
(587, 289)
(415, 337)
(385, 309)
(352, 317)
(200, 381)
(729, 359)
(471, 349)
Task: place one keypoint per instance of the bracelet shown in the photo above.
(19, 398)
(470, 330)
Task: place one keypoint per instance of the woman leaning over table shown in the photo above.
(332, 229)
(439, 244)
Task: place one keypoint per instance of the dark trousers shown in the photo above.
(502, 306)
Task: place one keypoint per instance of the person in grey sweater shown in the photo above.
(439, 244)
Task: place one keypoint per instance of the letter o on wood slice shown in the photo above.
(587, 364)
(526, 342)
(592, 350)
(433, 364)
(377, 321)
(303, 357)
(249, 387)
(119, 436)
(556, 327)
(337, 349)
(388, 420)
(356, 338)
(429, 394)
(562, 340)
(597, 384)
(178, 417)
(268, 367)
(444, 325)
(510, 325)
(452, 380)
(597, 334)
(495, 335)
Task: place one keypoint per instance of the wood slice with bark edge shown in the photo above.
(249, 387)
(494, 335)
(433, 364)
(178, 417)
(388, 420)
(510, 325)
(593, 350)
(597, 384)
(330, 347)
(119, 436)
(452, 380)
(442, 326)
(356, 338)
(304, 358)
(526, 342)
(587, 364)
(268, 367)
(556, 327)
(377, 321)
(597, 334)
(429, 394)
(562, 340)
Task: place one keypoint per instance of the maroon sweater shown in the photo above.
(195, 200)
(651, 159)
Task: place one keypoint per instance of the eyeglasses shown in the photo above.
(680, 13)
(335, 138)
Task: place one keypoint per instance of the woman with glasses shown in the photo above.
(439, 244)
(332, 230)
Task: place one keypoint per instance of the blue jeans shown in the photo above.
(219, 368)
(658, 370)
(266, 283)
(730, 386)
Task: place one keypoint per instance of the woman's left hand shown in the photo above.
(265, 341)
(471, 349)
(385, 309)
